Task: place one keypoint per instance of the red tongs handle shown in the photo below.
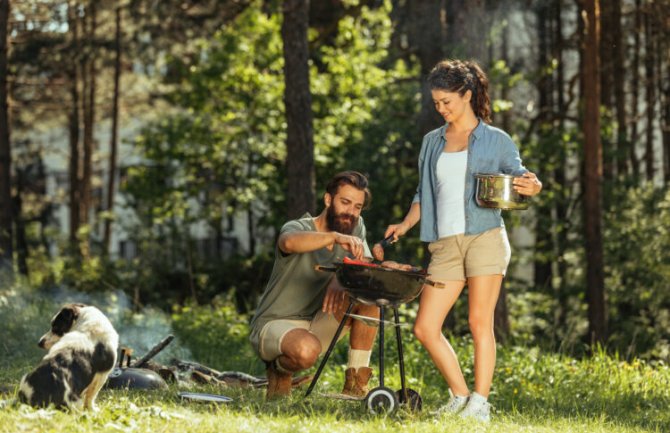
(349, 261)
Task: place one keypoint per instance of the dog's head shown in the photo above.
(61, 324)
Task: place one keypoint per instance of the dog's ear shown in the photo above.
(73, 309)
(63, 321)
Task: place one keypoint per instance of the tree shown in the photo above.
(113, 141)
(427, 35)
(592, 182)
(73, 123)
(298, 102)
(6, 250)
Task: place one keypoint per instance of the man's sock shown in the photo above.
(358, 358)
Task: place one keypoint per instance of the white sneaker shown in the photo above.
(455, 404)
(477, 408)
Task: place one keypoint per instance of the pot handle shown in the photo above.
(325, 268)
(436, 284)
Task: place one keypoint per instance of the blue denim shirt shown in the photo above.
(490, 150)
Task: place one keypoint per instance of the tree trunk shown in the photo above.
(592, 172)
(560, 173)
(6, 250)
(619, 86)
(427, 37)
(111, 178)
(650, 93)
(298, 102)
(664, 84)
(543, 232)
(634, 85)
(606, 84)
(89, 121)
(501, 314)
(74, 166)
(19, 222)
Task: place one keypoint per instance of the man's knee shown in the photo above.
(303, 350)
(307, 353)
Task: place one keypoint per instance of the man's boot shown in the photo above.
(356, 381)
(279, 383)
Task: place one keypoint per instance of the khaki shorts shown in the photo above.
(455, 258)
(323, 326)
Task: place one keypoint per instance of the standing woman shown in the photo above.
(468, 243)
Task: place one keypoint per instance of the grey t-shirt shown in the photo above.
(296, 290)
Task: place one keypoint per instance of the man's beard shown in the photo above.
(340, 222)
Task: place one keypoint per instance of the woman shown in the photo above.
(468, 244)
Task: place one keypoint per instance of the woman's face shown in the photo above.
(451, 105)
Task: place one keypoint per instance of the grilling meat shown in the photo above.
(395, 265)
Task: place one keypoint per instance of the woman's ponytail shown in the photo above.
(481, 102)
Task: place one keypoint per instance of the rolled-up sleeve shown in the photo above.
(510, 161)
(422, 157)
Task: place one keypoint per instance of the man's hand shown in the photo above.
(335, 299)
(352, 244)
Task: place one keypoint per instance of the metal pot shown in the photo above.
(497, 191)
(135, 378)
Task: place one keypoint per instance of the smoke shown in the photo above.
(26, 314)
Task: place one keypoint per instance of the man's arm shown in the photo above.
(303, 242)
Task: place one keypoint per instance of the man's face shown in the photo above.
(344, 208)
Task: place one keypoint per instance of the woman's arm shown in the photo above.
(412, 217)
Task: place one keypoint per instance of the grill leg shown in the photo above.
(330, 350)
(381, 346)
(401, 358)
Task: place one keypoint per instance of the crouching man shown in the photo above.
(301, 308)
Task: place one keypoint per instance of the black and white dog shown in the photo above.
(82, 345)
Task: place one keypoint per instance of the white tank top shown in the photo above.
(451, 167)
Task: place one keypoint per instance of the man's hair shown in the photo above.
(350, 177)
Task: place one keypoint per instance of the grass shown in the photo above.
(533, 391)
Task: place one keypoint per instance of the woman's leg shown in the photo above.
(433, 308)
(483, 294)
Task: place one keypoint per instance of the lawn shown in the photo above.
(533, 391)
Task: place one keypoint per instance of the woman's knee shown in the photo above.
(480, 327)
(426, 333)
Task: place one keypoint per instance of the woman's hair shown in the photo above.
(353, 178)
(461, 76)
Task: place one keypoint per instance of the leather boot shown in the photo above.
(356, 381)
(279, 383)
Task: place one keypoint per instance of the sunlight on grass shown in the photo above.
(532, 392)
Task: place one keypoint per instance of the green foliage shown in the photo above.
(532, 390)
(222, 149)
(638, 270)
(217, 336)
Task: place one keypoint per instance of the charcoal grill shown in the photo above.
(373, 284)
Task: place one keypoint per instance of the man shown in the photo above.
(301, 308)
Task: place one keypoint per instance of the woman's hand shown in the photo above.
(528, 184)
(396, 230)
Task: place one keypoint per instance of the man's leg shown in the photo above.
(287, 347)
(361, 340)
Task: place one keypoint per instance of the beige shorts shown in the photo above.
(455, 258)
(323, 326)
